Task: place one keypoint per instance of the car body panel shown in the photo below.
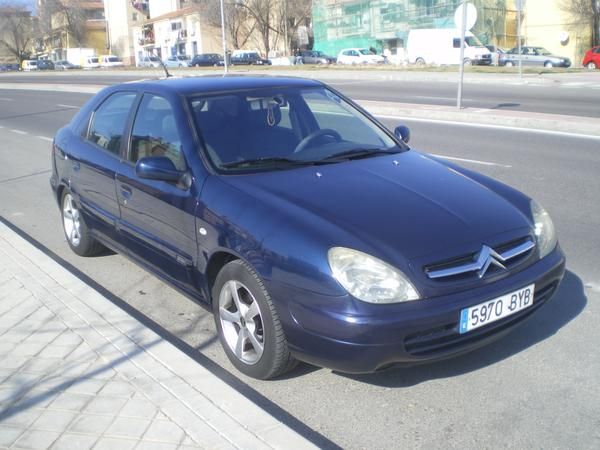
(592, 56)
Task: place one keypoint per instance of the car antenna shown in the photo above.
(167, 74)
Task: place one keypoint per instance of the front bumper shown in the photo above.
(355, 337)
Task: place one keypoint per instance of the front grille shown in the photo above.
(486, 261)
(447, 339)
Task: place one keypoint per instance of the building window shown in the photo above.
(175, 26)
(134, 17)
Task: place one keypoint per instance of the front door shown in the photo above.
(157, 217)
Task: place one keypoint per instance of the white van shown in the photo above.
(110, 61)
(442, 46)
(28, 65)
(90, 62)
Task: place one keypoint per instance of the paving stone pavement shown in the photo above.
(77, 372)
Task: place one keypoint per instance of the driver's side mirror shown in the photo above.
(159, 168)
(403, 133)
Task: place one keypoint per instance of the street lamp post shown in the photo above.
(223, 36)
(463, 26)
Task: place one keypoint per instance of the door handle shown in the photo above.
(126, 191)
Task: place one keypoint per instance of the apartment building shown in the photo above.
(175, 27)
(122, 18)
(68, 24)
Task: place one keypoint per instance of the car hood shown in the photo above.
(407, 204)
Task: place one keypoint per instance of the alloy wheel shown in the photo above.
(241, 322)
(71, 220)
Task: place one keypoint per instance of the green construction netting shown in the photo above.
(380, 24)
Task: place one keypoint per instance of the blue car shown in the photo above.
(312, 232)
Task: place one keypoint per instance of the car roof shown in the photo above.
(218, 83)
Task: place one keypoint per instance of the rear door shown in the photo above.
(95, 160)
(157, 217)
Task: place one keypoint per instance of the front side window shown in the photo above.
(155, 132)
(108, 121)
(274, 129)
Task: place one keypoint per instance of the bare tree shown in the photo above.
(239, 24)
(74, 19)
(16, 31)
(585, 12)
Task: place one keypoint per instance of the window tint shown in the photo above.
(155, 132)
(108, 122)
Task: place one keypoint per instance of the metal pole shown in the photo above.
(285, 28)
(223, 36)
(463, 27)
(519, 9)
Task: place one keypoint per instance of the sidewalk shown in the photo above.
(77, 372)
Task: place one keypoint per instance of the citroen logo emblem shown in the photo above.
(487, 257)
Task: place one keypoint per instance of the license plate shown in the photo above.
(496, 309)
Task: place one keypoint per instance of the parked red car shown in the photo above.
(591, 60)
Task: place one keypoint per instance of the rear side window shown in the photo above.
(108, 121)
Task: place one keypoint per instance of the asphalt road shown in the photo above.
(536, 388)
(559, 97)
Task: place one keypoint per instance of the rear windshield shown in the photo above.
(93, 60)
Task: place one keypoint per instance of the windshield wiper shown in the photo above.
(357, 153)
(272, 160)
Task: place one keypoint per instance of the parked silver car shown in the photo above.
(177, 61)
(533, 56)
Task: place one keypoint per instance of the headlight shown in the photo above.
(544, 229)
(369, 279)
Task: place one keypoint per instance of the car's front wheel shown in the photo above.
(248, 323)
(509, 64)
(75, 228)
(548, 65)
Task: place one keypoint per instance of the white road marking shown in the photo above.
(472, 161)
(494, 127)
(19, 131)
(45, 138)
(438, 98)
(67, 106)
(6, 99)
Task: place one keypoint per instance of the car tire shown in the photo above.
(509, 64)
(591, 65)
(468, 62)
(75, 229)
(248, 324)
(420, 62)
(548, 65)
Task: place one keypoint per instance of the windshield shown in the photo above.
(93, 60)
(114, 59)
(282, 128)
(364, 51)
(317, 53)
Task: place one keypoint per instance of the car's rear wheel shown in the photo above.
(509, 64)
(248, 323)
(420, 62)
(548, 65)
(75, 228)
(591, 65)
(468, 62)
